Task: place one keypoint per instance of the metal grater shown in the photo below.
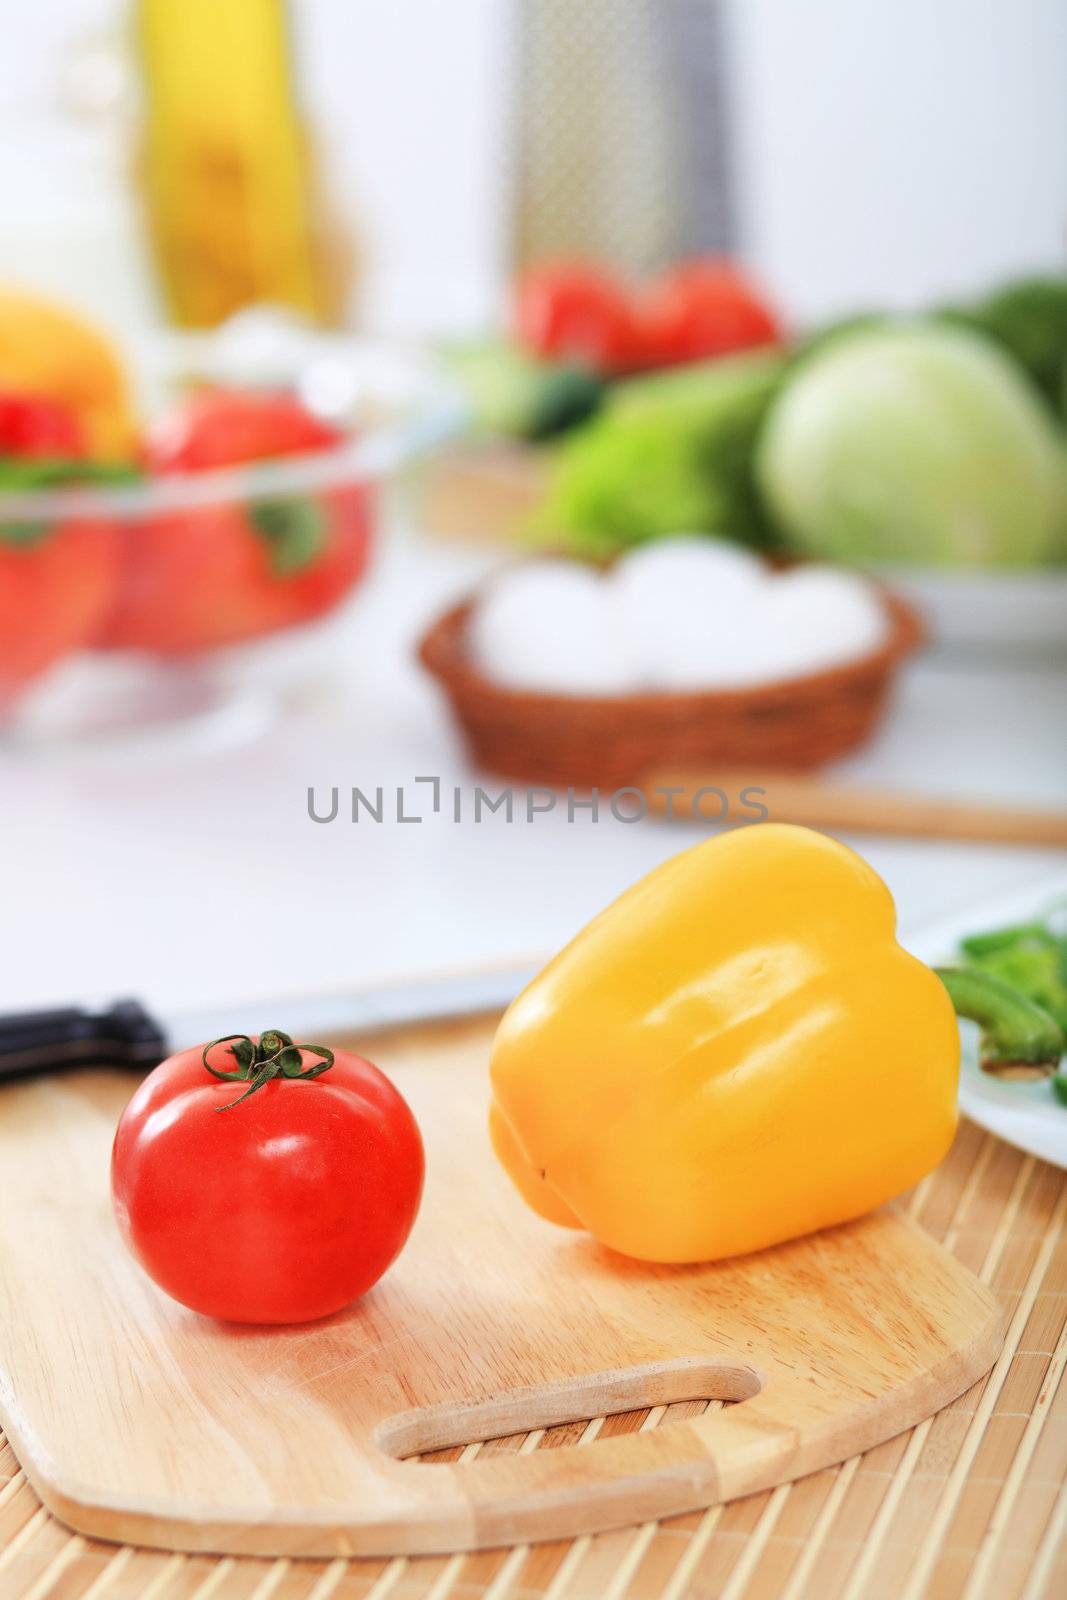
(621, 139)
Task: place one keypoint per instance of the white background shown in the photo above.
(197, 879)
(886, 153)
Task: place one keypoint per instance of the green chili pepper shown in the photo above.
(1029, 956)
(1020, 1039)
(977, 945)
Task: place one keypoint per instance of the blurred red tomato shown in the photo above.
(55, 586)
(56, 580)
(702, 309)
(222, 427)
(34, 427)
(200, 578)
(571, 311)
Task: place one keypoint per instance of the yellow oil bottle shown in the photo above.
(234, 208)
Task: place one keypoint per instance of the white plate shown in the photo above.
(1018, 614)
(1025, 1114)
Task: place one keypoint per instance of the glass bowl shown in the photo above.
(199, 597)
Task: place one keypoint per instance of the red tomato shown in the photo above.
(221, 427)
(573, 312)
(205, 577)
(55, 587)
(702, 309)
(33, 426)
(200, 579)
(283, 1207)
(56, 581)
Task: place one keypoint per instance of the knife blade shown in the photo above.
(126, 1034)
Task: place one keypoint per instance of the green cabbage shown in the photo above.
(915, 443)
(669, 453)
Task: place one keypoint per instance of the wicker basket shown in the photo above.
(610, 742)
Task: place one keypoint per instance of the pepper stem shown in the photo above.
(273, 1055)
(1019, 1038)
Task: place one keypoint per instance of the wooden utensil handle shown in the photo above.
(817, 803)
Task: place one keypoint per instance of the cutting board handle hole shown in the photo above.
(578, 1399)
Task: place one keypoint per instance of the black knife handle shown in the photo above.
(48, 1041)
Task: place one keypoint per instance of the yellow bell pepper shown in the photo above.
(735, 1052)
(45, 349)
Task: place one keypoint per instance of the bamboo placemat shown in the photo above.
(970, 1505)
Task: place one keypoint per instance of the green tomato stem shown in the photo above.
(273, 1056)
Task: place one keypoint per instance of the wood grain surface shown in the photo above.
(970, 1502)
(482, 493)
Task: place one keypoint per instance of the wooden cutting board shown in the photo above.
(137, 1420)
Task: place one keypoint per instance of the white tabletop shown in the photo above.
(195, 878)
